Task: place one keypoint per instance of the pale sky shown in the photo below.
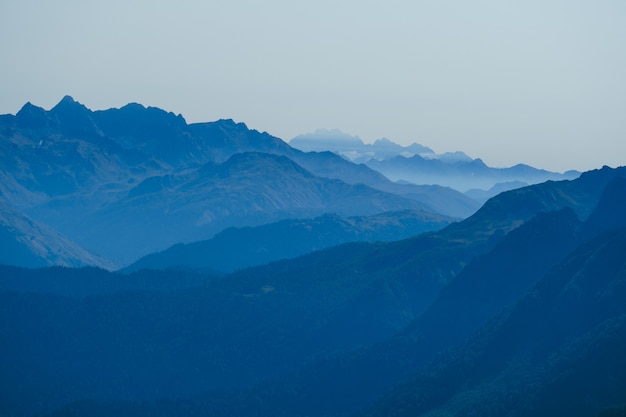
(541, 82)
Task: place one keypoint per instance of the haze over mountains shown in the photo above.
(122, 183)
(237, 248)
(262, 280)
(419, 164)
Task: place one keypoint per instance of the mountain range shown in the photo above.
(263, 280)
(237, 248)
(463, 175)
(123, 183)
(518, 307)
(354, 149)
(419, 164)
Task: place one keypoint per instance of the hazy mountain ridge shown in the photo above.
(236, 248)
(484, 195)
(349, 300)
(419, 164)
(354, 149)
(248, 189)
(462, 175)
(114, 181)
(25, 242)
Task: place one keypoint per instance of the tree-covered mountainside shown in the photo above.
(528, 287)
(122, 183)
(559, 350)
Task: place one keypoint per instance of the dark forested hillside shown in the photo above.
(557, 351)
(534, 277)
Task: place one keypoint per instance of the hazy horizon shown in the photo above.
(540, 83)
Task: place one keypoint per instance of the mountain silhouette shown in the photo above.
(419, 164)
(461, 175)
(353, 148)
(114, 181)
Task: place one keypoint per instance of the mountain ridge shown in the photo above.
(419, 164)
(74, 169)
(287, 239)
(461, 175)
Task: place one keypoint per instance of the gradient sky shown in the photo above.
(541, 82)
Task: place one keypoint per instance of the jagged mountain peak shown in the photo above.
(232, 126)
(454, 157)
(73, 118)
(134, 106)
(67, 99)
(385, 141)
(262, 163)
(413, 148)
(31, 116)
(29, 108)
(68, 102)
(142, 113)
(231, 123)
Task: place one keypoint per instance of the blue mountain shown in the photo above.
(462, 175)
(237, 248)
(419, 164)
(126, 182)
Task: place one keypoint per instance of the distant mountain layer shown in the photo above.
(524, 300)
(126, 182)
(462, 175)
(246, 190)
(237, 248)
(484, 195)
(435, 198)
(353, 148)
(421, 165)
